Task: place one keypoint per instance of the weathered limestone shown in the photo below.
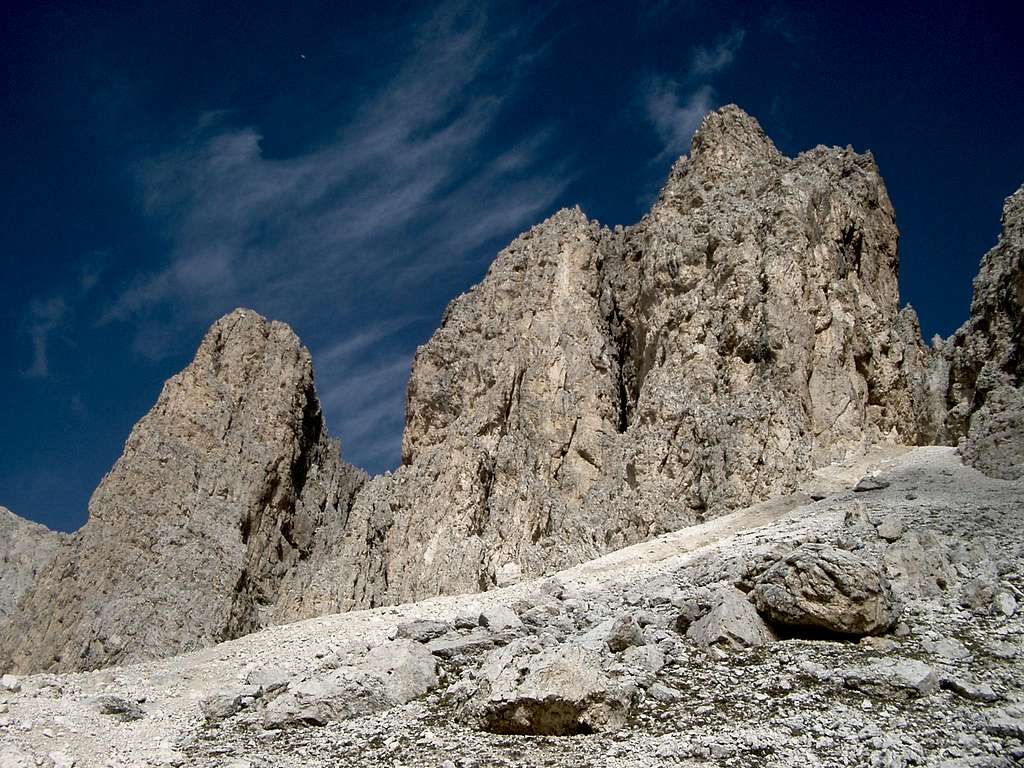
(819, 587)
(986, 357)
(221, 489)
(557, 691)
(26, 548)
(600, 387)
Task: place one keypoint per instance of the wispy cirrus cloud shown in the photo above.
(675, 106)
(412, 185)
(44, 318)
(675, 116)
(713, 59)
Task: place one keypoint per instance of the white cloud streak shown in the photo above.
(675, 117)
(408, 190)
(710, 61)
(403, 187)
(45, 317)
(675, 108)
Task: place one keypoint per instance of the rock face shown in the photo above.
(220, 490)
(986, 357)
(599, 387)
(26, 548)
(821, 587)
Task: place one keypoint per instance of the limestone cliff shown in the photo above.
(599, 387)
(986, 357)
(596, 388)
(26, 548)
(218, 493)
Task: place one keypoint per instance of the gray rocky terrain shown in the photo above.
(665, 474)
(900, 643)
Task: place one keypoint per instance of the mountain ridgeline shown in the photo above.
(597, 388)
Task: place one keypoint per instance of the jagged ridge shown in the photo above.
(598, 387)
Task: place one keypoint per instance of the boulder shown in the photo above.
(555, 692)
(625, 633)
(884, 677)
(421, 630)
(732, 622)
(891, 528)
(336, 696)
(390, 674)
(819, 587)
(979, 593)
(407, 669)
(119, 707)
(225, 704)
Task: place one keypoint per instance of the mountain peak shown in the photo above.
(729, 140)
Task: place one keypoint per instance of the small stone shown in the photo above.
(123, 709)
(1005, 603)
(10, 683)
(664, 693)
(948, 648)
(969, 689)
(624, 633)
(891, 528)
(498, 618)
(979, 593)
(879, 644)
(870, 483)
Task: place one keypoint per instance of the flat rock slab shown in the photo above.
(886, 676)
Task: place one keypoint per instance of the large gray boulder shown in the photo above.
(389, 674)
(556, 692)
(819, 587)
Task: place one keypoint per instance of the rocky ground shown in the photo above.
(871, 620)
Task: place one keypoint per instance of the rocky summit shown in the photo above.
(711, 425)
(217, 495)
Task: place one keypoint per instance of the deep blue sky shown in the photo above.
(350, 171)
